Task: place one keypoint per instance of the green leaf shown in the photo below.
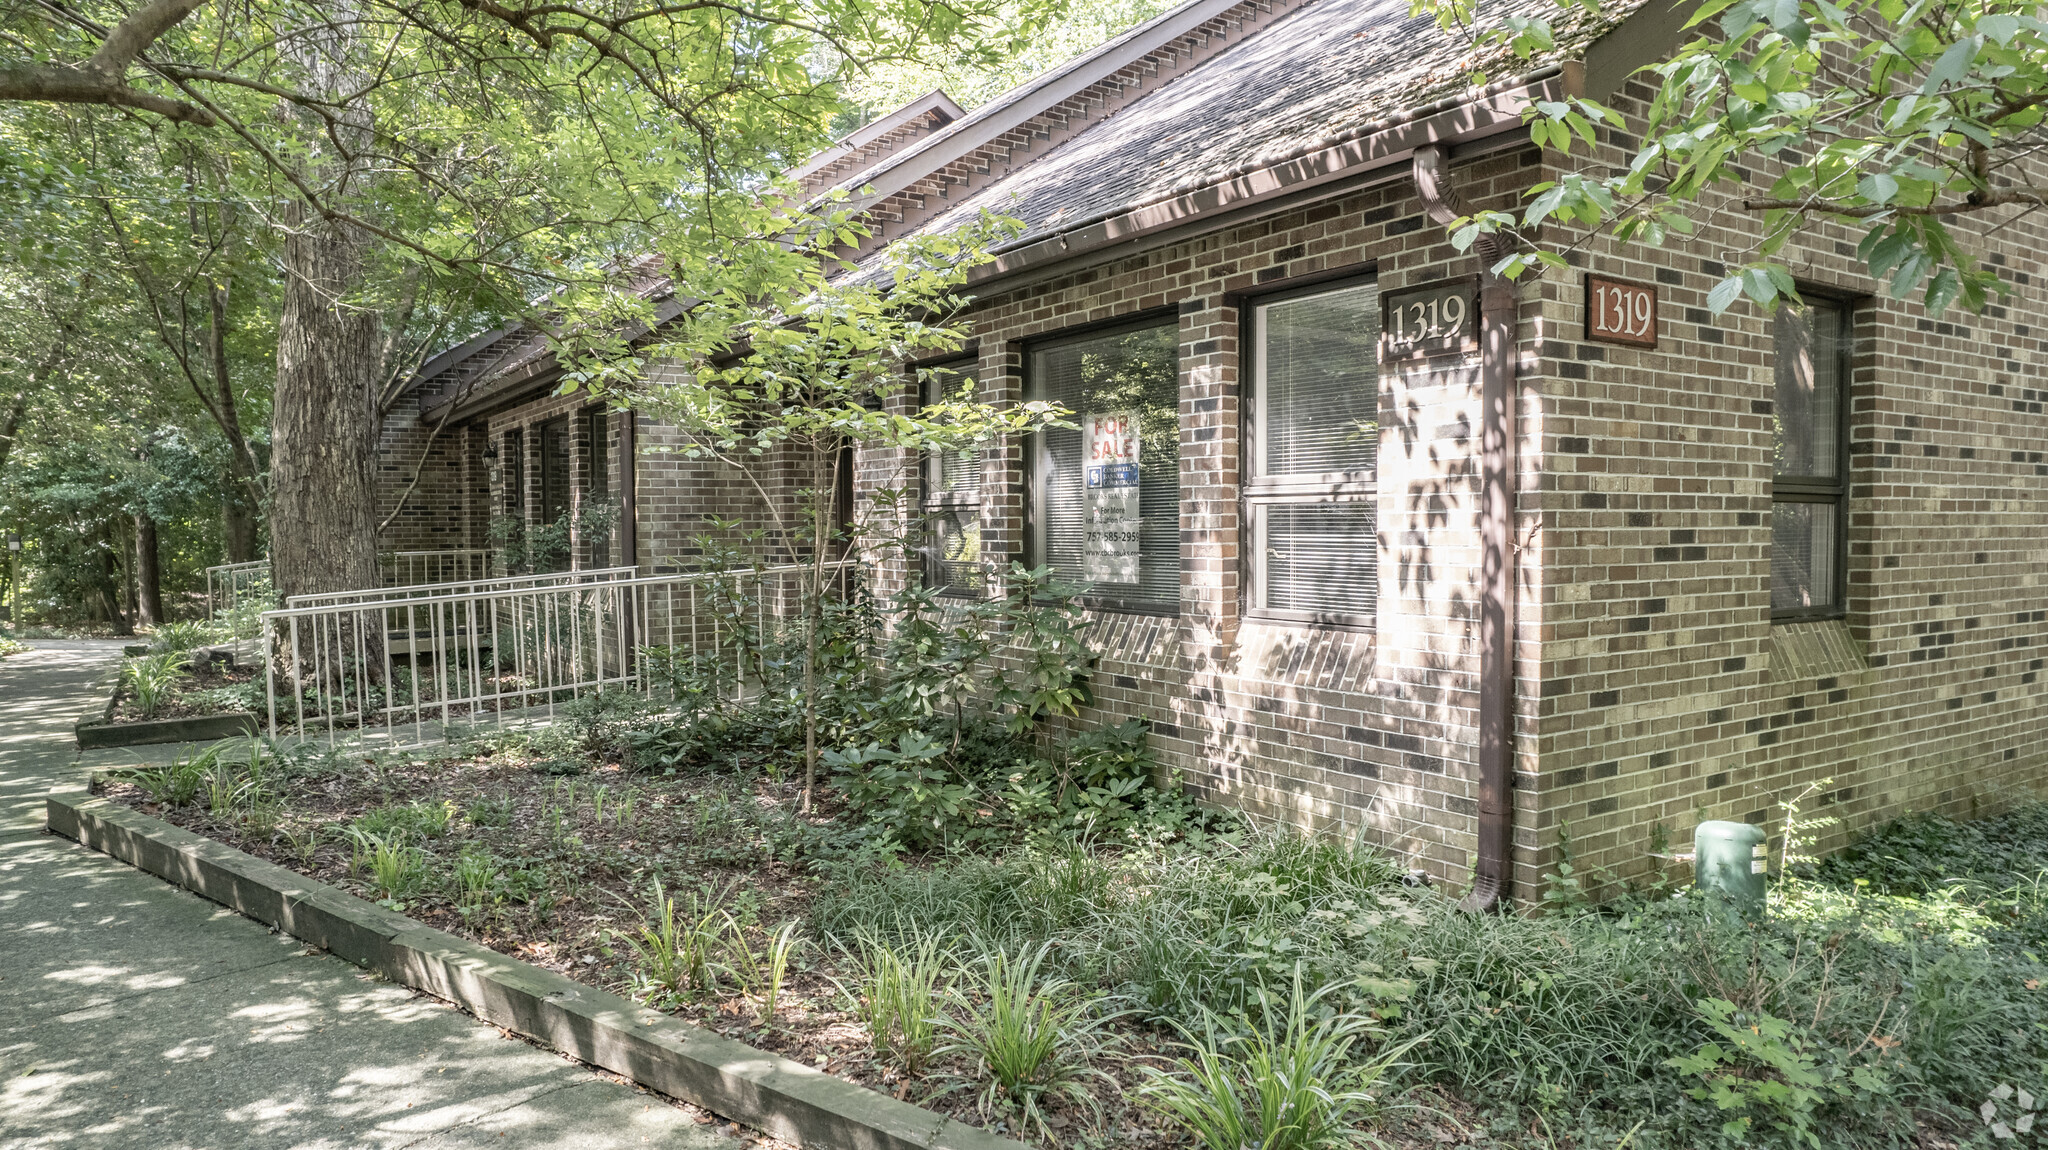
(1724, 294)
(1954, 63)
(1878, 188)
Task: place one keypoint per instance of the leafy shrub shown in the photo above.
(601, 720)
(152, 679)
(1767, 1072)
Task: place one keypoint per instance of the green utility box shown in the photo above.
(1729, 860)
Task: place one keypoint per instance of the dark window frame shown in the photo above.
(933, 503)
(1256, 491)
(1034, 450)
(597, 453)
(514, 474)
(1818, 489)
(557, 469)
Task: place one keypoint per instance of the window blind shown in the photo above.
(1319, 384)
(1319, 558)
(1807, 373)
(1315, 450)
(1131, 371)
(1802, 555)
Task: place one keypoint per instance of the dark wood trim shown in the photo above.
(1032, 445)
(629, 493)
(1818, 489)
(1308, 283)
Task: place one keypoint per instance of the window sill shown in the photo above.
(1814, 648)
(1302, 620)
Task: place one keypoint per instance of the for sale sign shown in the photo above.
(1112, 481)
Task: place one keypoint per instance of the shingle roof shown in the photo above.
(1048, 87)
(1320, 75)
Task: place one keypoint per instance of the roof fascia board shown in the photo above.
(1338, 167)
(519, 387)
(935, 100)
(1037, 97)
(457, 354)
(1649, 34)
(543, 371)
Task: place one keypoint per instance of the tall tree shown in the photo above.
(492, 152)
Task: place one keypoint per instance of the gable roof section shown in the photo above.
(871, 143)
(1015, 128)
(509, 363)
(1319, 77)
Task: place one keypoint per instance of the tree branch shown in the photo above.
(1977, 202)
(61, 84)
(103, 78)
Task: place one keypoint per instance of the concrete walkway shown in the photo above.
(134, 1014)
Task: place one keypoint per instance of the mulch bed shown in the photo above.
(584, 879)
(185, 700)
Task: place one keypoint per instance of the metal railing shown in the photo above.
(417, 568)
(458, 587)
(412, 669)
(228, 585)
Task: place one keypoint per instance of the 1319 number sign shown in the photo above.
(1620, 312)
(1434, 320)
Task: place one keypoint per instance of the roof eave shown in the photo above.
(1339, 166)
(1031, 99)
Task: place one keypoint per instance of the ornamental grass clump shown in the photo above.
(675, 946)
(902, 994)
(1034, 1038)
(1303, 1085)
(153, 678)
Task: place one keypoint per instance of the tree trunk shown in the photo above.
(10, 425)
(323, 523)
(243, 508)
(149, 589)
(110, 595)
(238, 524)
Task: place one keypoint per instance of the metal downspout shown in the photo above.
(1492, 878)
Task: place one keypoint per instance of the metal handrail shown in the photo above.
(429, 590)
(511, 653)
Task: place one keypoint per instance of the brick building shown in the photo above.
(1379, 543)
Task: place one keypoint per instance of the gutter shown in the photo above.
(1499, 311)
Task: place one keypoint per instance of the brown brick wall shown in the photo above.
(1372, 730)
(1668, 695)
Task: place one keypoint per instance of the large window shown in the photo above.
(1810, 369)
(1104, 501)
(952, 492)
(1311, 452)
(554, 469)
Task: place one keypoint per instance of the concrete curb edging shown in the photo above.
(96, 729)
(771, 1093)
